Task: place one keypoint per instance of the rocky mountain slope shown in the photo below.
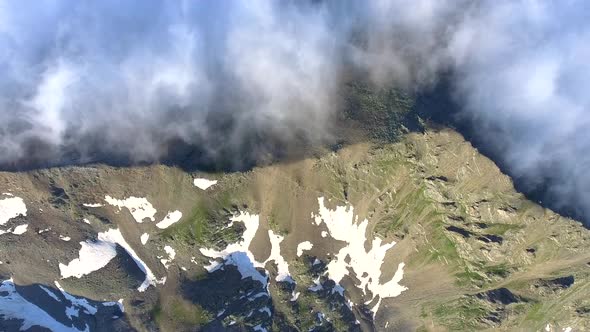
(423, 233)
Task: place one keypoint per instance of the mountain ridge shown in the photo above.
(470, 244)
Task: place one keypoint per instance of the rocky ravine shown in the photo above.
(424, 234)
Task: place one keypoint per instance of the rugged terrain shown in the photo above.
(419, 234)
(399, 225)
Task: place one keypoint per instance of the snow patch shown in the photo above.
(96, 255)
(115, 236)
(118, 303)
(171, 254)
(259, 328)
(306, 245)
(343, 226)
(171, 218)
(50, 293)
(275, 255)
(77, 304)
(11, 207)
(18, 230)
(257, 295)
(239, 254)
(144, 238)
(320, 317)
(267, 310)
(64, 238)
(92, 257)
(93, 205)
(139, 207)
(204, 184)
(86, 221)
(14, 306)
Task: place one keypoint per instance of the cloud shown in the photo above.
(235, 80)
(90, 80)
(520, 75)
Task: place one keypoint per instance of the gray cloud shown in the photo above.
(132, 80)
(125, 80)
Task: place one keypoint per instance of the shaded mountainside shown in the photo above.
(419, 234)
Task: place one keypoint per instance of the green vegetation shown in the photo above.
(190, 313)
(501, 229)
(444, 248)
(500, 270)
(468, 277)
(536, 313)
(205, 224)
(156, 313)
(303, 312)
(177, 312)
(461, 315)
(385, 113)
(275, 227)
(193, 227)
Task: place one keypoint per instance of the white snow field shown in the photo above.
(96, 255)
(343, 226)
(11, 207)
(204, 184)
(170, 219)
(139, 207)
